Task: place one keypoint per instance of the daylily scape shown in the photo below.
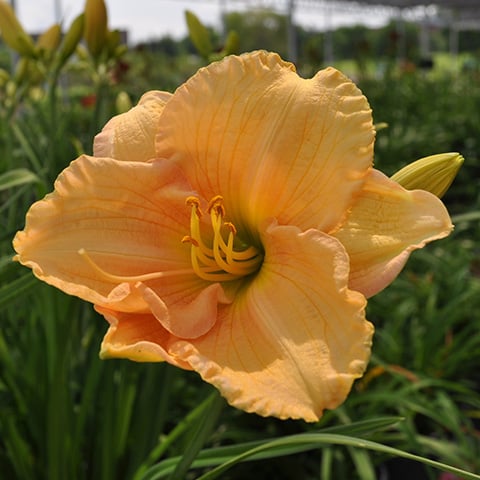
(236, 228)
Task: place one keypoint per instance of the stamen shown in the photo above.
(231, 238)
(221, 262)
(231, 227)
(216, 204)
(189, 239)
(194, 202)
(131, 278)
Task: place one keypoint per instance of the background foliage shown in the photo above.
(66, 414)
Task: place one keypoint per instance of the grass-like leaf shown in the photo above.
(318, 440)
(16, 177)
(223, 455)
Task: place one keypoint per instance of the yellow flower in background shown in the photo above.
(235, 228)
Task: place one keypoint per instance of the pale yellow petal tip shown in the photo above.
(434, 173)
(380, 126)
(141, 352)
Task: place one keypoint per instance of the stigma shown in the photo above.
(218, 260)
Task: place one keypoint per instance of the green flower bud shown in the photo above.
(95, 33)
(49, 41)
(50, 38)
(71, 40)
(13, 33)
(4, 77)
(434, 174)
(123, 103)
(199, 34)
(232, 43)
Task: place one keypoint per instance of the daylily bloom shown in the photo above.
(236, 228)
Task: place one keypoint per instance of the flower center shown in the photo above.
(221, 261)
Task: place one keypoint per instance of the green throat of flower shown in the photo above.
(221, 261)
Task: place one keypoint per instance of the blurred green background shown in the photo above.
(64, 414)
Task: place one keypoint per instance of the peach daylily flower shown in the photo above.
(235, 228)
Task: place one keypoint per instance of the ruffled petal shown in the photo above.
(273, 144)
(189, 317)
(294, 339)
(131, 135)
(128, 219)
(138, 337)
(385, 225)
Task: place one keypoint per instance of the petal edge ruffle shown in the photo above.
(128, 217)
(250, 121)
(295, 339)
(385, 225)
(130, 136)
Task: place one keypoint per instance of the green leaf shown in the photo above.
(199, 35)
(317, 440)
(16, 288)
(198, 436)
(18, 176)
(221, 455)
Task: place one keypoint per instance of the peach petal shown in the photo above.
(250, 121)
(385, 225)
(137, 337)
(186, 319)
(130, 136)
(128, 216)
(294, 339)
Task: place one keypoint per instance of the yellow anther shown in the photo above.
(220, 262)
(189, 239)
(216, 206)
(231, 227)
(194, 202)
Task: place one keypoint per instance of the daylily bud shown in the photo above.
(199, 34)
(95, 26)
(434, 174)
(4, 77)
(232, 43)
(28, 72)
(123, 103)
(21, 70)
(36, 94)
(49, 41)
(13, 33)
(82, 53)
(112, 40)
(71, 40)
(10, 88)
